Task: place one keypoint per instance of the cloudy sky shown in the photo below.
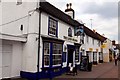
(104, 14)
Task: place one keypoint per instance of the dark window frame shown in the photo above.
(52, 25)
(70, 32)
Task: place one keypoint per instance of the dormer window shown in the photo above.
(70, 32)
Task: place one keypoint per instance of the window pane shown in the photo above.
(77, 54)
(46, 53)
(57, 53)
(46, 59)
(52, 27)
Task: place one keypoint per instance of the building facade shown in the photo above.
(37, 40)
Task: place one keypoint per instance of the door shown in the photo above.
(6, 60)
(70, 55)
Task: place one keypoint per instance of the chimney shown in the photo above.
(94, 31)
(70, 11)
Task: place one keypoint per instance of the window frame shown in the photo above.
(77, 54)
(51, 54)
(70, 32)
(46, 54)
(87, 39)
(57, 55)
(93, 41)
(50, 19)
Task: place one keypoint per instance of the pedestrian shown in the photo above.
(116, 59)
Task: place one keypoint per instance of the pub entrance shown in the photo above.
(71, 54)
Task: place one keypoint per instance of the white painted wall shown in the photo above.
(106, 50)
(13, 12)
(19, 14)
(90, 44)
(0, 16)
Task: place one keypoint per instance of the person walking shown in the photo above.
(116, 59)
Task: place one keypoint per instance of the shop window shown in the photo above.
(19, 2)
(52, 27)
(77, 54)
(70, 32)
(52, 54)
(46, 54)
(57, 53)
(94, 56)
(64, 57)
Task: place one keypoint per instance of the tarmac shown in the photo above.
(103, 71)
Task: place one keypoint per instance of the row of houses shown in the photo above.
(37, 40)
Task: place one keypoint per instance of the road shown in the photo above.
(104, 71)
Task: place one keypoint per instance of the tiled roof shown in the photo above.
(55, 12)
(94, 35)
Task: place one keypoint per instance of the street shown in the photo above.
(104, 70)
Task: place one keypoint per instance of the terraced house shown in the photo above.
(37, 40)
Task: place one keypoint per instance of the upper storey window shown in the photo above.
(70, 32)
(19, 2)
(52, 25)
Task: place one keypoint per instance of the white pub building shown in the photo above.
(37, 40)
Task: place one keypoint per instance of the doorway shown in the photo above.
(70, 56)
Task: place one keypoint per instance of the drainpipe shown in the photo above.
(39, 39)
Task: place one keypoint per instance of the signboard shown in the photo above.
(70, 39)
(84, 63)
(96, 50)
(103, 46)
(90, 49)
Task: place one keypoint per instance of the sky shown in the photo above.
(104, 14)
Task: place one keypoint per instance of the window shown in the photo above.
(46, 54)
(52, 54)
(77, 54)
(98, 43)
(19, 2)
(94, 56)
(87, 38)
(52, 27)
(70, 32)
(57, 53)
(93, 41)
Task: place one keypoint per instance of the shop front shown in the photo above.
(52, 57)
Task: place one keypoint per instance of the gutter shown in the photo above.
(38, 61)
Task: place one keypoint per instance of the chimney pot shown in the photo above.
(70, 5)
(67, 6)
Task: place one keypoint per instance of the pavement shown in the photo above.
(103, 71)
